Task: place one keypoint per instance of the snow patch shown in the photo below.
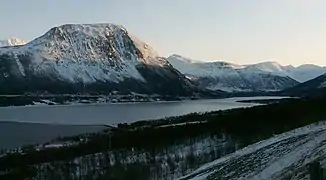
(12, 42)
(19, 64)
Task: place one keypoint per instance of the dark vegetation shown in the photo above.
(244, 126)
(266, 101)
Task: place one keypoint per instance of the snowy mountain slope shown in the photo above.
(231, 77)
(12, 42)
(269, 67)
(284, 156)
(87, 57)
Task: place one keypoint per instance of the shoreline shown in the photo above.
(231, 99)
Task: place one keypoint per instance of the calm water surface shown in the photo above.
(113, 113)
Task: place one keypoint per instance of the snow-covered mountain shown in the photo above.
(268, 76)
(87, 58)
(12, 42)
(284, 156)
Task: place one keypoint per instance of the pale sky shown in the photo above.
(238, 31)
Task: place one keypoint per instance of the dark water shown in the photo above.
(111, 113)
(16, 134)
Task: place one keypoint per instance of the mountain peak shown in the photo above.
(269, 64)
(182, 59)
(269, 67)
(103, 41)
(308, 66)
(12, 42)
(90, 30)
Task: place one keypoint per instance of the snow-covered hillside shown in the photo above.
(284, 156)
(12, 42)
(268, 76)
(87, 57)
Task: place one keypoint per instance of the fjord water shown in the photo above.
(111, 114)
(43, 123)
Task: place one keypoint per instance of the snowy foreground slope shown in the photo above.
(87, 58)
(282, 156)
(266, 76)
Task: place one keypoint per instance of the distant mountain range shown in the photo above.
(105, 58)
(266, 76)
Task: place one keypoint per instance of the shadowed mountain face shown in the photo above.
(97, 58)
(315, 87)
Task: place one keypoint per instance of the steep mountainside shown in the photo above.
(229, 77)
(80, 58)
(12, 42)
